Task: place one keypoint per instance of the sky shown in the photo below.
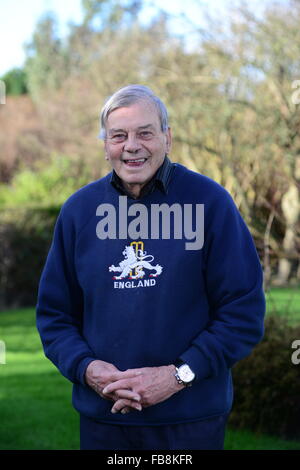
(17, 23)
(18, 19)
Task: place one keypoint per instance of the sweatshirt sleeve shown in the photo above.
(234, 285)
(60, 306)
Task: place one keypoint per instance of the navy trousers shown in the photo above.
(208, 434)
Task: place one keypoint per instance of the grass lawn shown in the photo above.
(35, 400)
(285, 302)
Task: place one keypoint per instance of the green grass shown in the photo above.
(35, 400)
(246, 440)
(284, 302)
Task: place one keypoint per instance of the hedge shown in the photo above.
(267, 384)
(25, 238)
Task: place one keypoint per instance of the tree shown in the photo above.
(257, 57)
(229, 98)
(47, 63)
(15, 82)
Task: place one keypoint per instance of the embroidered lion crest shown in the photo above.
(135, 261)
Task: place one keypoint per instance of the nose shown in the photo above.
(132, 144)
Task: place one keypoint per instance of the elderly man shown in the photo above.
(151, 292)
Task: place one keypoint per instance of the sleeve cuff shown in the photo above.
(198, 362)
(82, 368)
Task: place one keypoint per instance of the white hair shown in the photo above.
(127, 96)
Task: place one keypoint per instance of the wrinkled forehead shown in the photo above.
(140, 114)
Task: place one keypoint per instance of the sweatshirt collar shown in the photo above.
(160, 180)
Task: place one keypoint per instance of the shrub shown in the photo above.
(25, 238)
(267, 384)
(15, 81)
(47, 183)
(29, 206)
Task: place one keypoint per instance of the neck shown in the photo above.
(134, 189)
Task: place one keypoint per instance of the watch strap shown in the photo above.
(178, 363)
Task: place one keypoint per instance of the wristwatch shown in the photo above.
(184, 375)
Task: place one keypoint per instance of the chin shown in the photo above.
(132, 183)
(136, 180)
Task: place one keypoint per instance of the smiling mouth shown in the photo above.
(135, 162)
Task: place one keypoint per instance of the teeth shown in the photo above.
(137, 160)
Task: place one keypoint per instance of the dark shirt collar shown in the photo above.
(160, 180)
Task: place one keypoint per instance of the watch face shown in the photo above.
(185, 373)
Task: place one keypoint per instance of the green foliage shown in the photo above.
(48, 183)
(267, 384)
(28, 210)
(109, 13)
(25, 237)
(46, 65)
(15, 82)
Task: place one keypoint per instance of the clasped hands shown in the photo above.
(132, 389)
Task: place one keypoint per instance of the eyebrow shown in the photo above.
(147, 126)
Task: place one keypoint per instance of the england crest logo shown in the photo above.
(135, 262)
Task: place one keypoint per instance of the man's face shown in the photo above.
(135, 144)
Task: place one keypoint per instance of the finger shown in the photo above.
(120, 404)
(114, 396)
(120, 393)
(126, 409)
(110, 397)
(118, 385)
(127, 374)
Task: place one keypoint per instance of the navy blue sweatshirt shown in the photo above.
(149, 301)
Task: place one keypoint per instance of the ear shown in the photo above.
(105, 150)
(168, 139)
